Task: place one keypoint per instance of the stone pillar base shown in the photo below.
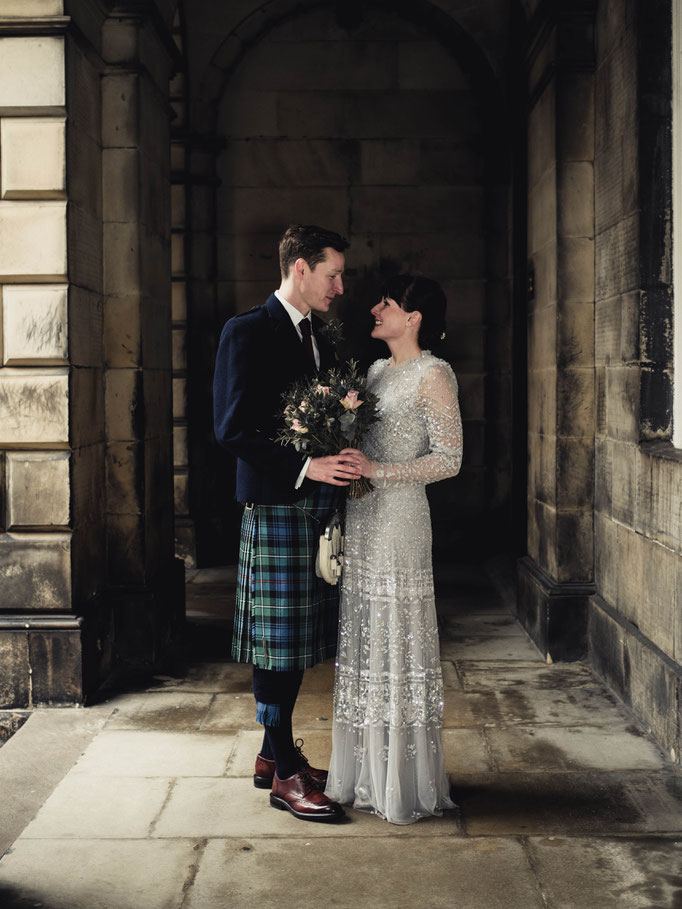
(553, 614)
(41, 660)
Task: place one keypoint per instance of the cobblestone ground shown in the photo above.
(146, 800)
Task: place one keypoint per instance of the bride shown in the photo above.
(387, 755)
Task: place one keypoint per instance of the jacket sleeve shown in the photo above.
(238, 407)
(439, 405)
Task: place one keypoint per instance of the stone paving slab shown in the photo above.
(156, 754)
(577, 748)
(489, 647)
(231, 711)
(211, 678)
(233, 807)
(159, 710)
(85, 806)
(96, 874)
(602, 873)
(451, 677)
(567, 804)
(475, 625)
(495, 674)
(439, 873)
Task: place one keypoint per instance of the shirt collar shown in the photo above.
(294, 314)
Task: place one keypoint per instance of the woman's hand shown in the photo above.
(334, 469)
(360, 462)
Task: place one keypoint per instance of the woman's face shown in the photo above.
(390, 321)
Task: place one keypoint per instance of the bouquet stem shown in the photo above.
(359, 488)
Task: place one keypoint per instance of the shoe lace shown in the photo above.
(298, 745)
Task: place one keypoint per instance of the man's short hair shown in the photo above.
(306, 241)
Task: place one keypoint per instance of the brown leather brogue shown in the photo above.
(264, 770)
(300, 795)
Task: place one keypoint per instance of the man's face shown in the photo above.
(321, 284)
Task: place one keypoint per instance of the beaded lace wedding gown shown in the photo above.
(387, 755)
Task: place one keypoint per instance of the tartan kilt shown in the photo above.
(286, 618)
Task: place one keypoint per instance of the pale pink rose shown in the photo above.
(350, 402)
(297, 426)
(323, 390)
(303, 406)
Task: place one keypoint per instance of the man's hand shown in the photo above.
(332, 469)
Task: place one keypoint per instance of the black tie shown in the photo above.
(306, 331)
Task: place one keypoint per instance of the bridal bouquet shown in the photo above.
(332, 411)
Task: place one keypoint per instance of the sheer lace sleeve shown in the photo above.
(438, 401)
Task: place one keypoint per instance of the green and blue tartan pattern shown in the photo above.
(286, 618)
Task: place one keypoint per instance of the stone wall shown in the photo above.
(557, 575)
(85, 485)
(635, 628)
(371, 128)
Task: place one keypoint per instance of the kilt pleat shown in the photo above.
(286, 618)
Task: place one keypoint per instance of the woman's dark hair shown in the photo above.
(307, 241)
(415, 293)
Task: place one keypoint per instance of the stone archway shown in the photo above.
(420, 164)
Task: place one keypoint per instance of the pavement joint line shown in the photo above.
(532, 864)
(199, 850)
(152, 827)
(488, 750)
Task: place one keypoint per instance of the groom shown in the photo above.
(286, 617)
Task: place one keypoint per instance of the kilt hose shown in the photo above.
(286, 618)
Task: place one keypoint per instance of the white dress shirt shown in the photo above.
(297, 317)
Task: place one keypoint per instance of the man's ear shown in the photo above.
(300, 266)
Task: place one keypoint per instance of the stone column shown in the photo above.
(556, 578)
(86, 555)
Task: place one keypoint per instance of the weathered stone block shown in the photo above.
(603, 476)
(389, 161)
(181, 493)
(575, 546)
(179, 301)
(122, 343)
(180, 453)
(542, 468)
(575, 473)
(662, 520)
(624, 658)
(120, 105)
(545, 262)
(285, 162)
(120, 184)
(575, 402)
(258, 210)
(15, 677)
(337, 66)
(608, 190)
(576, 269)
(575, 99)
(32, 72)
(415, 209)
(56, 667)
(126, 557)
(38, 489)
(248, 257)
(427, 65)
(624, 479)
(616, 264)
(605, 565)
(576, 334)
(85, 249)
(542, 211)
(33, 162)
(440, 254)
(575, 185)
(542, 136)
(622, 403)
(252, 113)
(35, 328)
(125, 477)
(34, 407)
(607, 330)
(122, 273)
(374, 115)
(32, 240)
(35, 571)
(178, 255)
(179, 399)
(123, 404)
(542, 338)
(31, 7)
